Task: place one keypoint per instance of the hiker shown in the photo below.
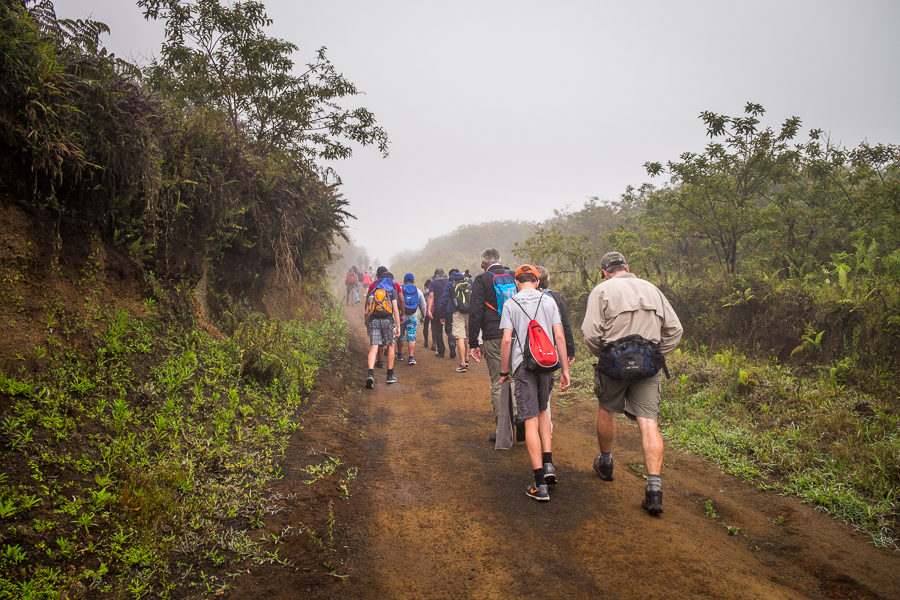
(544, 286)
(413, 302)
(382, 314)
(456, 301)
(351, 280)
(484, 322)
(426, 320)
(617, 308)
(532, 389)
(380, 273)
(436, 314)
(367, 279)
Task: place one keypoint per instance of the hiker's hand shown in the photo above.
(443, 321)
(564, 382)
(571, 360)
(475, 353)
(504, 379)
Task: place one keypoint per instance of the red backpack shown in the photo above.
(539, 351)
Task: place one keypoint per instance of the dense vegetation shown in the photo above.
(782, 260)
(138, 442)
(209, 160)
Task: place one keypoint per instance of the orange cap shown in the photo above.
(530, 269)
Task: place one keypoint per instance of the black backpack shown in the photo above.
(631, 357)
(462, 295)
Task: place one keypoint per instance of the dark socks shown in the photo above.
(539, 476)
(390, 372)
(371, 372)
(547, 457)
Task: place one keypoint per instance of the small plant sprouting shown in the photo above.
(710, 510)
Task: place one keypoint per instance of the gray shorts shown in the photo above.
(637, 397)
(532, 390)
(381, 332)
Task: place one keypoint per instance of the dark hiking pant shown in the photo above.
(437, 333)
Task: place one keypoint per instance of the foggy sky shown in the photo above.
(511, 109)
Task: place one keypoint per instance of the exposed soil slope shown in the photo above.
(436, 512)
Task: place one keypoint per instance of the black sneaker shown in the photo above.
(652, 502)
(493, 437)
(604, 470)
(462, 369)
(399, 356)
(550, 474)
(412, 361)
(540, 493)
(452, 352)
(379, 364)
(370, 382)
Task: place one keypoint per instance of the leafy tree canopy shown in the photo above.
(217, 54)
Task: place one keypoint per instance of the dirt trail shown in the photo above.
(438, 513)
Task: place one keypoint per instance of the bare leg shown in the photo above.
(652, 444)
(606, 429)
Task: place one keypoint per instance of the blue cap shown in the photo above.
(408, 277)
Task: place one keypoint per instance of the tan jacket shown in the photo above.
(626, 305)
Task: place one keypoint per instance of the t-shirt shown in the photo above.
(516, 318)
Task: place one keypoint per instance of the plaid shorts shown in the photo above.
(381, 332)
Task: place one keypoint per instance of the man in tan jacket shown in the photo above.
(625, 305)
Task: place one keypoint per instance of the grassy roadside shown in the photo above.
(806, 435)
(137, 467)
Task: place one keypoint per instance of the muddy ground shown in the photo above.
(436, 512)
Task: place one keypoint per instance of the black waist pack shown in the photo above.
(631, 357)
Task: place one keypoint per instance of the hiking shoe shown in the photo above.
(652, 502)
(540, 493)
(604, 470)
(493, 437)
(399, 356)
(452, 352)
(462, 369)
(370, 382)
(439, 355)
(379, 364)
(412, 361)
(550, 474)
(391, 379)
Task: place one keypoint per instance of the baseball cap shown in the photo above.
(409, 277)
(529, 269)
(611, 259)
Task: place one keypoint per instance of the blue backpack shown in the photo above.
(410, 299)
(504, 289)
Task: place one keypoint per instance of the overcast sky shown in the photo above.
(511, 109)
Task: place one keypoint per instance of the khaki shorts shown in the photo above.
(460, 327)
(637, 397)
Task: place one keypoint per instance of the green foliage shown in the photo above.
(176, 443)
(217, 54)
(207, 170)
(806, 436)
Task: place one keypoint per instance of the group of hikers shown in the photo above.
(512, 319)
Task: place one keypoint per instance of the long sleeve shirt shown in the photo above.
(626, 305)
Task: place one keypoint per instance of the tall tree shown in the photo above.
(216, 54)
(719, 193)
